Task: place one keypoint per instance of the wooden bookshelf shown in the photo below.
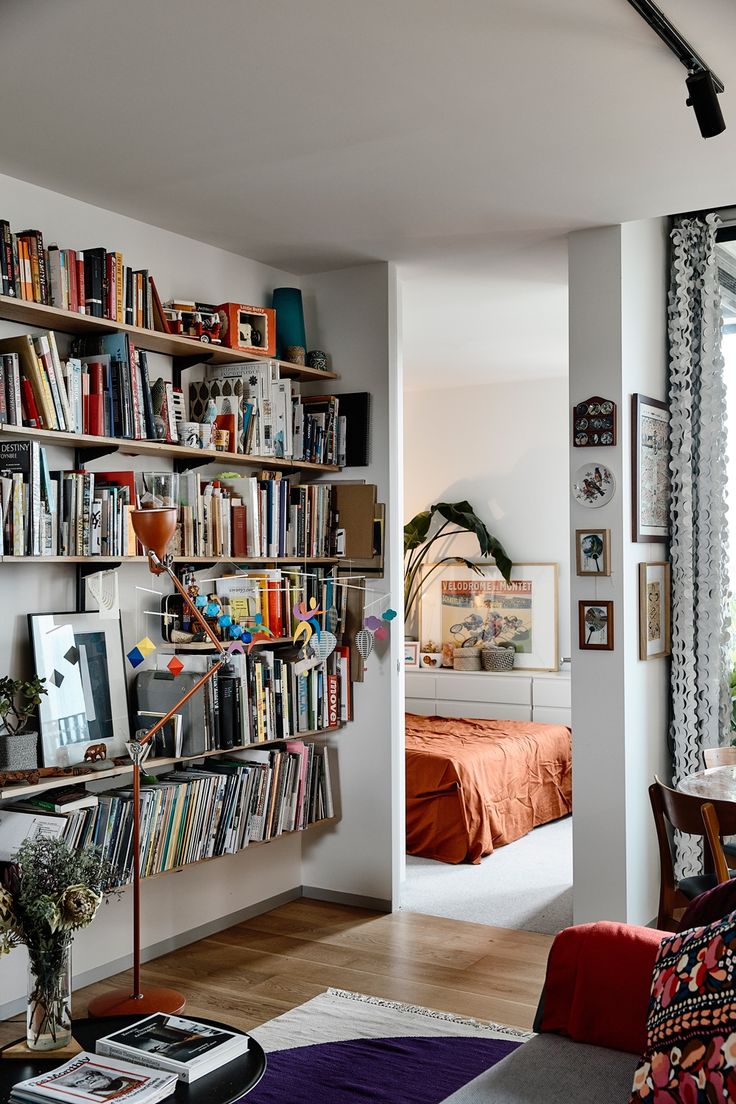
(21, 790)
(230, 855)
(255, 561)
(173, 345)
(160, 449)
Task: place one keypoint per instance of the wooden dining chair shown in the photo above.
(674, 810)
(719, 757)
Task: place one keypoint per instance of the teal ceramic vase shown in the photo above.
(287, 302)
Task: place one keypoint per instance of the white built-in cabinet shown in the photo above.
(517, 696)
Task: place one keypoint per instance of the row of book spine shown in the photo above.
(104, 392)
(90, 281)
(270, 415)
(263, 697)
(259, 517)
(216, 808)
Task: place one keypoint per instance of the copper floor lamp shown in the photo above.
(154, 528)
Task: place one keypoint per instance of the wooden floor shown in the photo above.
(259, 969)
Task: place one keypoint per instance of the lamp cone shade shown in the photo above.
(154, 528)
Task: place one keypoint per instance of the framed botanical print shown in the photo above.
(463, 608)
(650, 473)
(80, 655)
(654, 610)
(595, 626)
(593, 551)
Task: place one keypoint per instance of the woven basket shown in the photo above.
(497, 659)
(466, 659)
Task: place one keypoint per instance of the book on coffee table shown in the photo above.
(88, 1079)
(185, 1047)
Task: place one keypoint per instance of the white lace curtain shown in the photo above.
(699, 549)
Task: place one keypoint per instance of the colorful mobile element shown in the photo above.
(140, 651)
(389, 615)
(364, 643)
(308, 623)
(372, 623)
(260, 633)
(323, 645)
(381, 633)
(175, 666)
(201, 601)
(235, 647)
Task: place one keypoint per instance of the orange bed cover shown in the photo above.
(474, 785)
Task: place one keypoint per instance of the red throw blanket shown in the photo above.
(597, 986)
(474, 785)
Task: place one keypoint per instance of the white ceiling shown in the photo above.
(463, 139)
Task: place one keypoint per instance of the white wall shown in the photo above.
(357, 337)
(619, 711)
(504, 448)
(349, 314)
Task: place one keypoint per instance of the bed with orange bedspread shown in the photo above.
(475, 785)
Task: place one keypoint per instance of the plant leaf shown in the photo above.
(415, 531)
(463, 514)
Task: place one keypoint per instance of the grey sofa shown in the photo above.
(594, 1003)
(551, 1069)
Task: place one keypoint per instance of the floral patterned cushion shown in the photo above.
(691, 1024)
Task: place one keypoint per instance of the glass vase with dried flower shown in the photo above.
(50, 891)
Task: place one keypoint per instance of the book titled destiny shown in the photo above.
(185, 1047)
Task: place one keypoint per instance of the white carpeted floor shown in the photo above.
(526, 885)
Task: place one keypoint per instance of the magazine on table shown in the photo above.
(185, 1047)
(88, 1079)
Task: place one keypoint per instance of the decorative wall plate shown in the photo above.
(593, 485)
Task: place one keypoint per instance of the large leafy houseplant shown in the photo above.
(458, 517)
(49, 892)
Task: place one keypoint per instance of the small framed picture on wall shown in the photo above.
(654, 611)
(595, 626)
(650, 473)
(593, 551)
(411, 654)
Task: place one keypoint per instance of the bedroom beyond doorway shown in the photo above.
(526, 885)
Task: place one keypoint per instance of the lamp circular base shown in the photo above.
(120, 1002)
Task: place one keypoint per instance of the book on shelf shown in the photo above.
(23, 822)
(188, 1048)
(88, 1079)
(195, 813)
(94, 281)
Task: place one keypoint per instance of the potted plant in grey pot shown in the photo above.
(19, 700)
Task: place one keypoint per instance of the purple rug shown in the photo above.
(345, 1048)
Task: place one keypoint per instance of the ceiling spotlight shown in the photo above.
(703, 99)
(702, 83)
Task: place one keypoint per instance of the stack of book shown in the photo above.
(188, 1048)
(187, 815)
(263, 696)
(86, 513)
(105, 391)
(62, 513)
(90, 281)
(87, 1079)
(255, 516)
(270, 416)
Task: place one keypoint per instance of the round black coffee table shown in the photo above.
(223, 1086)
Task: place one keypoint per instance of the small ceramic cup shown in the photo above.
(221, 439)
(295, 354)
(205, 435)
(188, 434)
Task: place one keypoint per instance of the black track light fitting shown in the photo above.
(703, 85)
(703, 99)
